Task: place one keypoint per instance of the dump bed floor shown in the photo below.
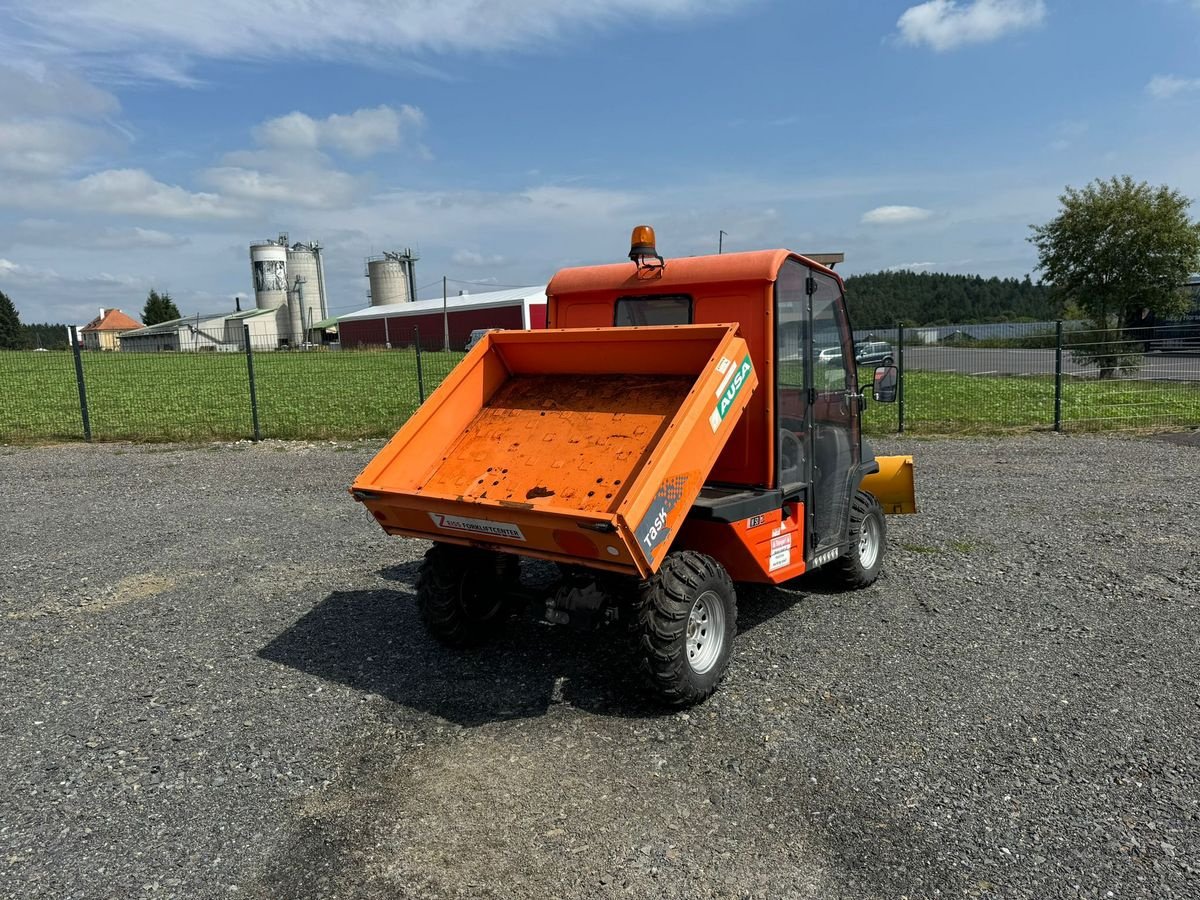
(562, 441)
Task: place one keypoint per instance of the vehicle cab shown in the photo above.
(796, 459)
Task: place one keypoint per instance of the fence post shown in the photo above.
(900, 377)
(1058, 373)
(253, 388)
(420, 376)
(81, 384)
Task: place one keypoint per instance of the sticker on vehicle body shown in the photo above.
(727, 392)
(781, 553)
(484, 527)
(653, 529)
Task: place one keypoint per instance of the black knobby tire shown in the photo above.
(859, 566)
(689, 594)
(462, 593)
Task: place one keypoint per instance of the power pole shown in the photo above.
(721, 241)
(445, 317)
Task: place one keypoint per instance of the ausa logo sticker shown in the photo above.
(731, 386)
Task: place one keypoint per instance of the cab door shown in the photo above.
(834, 437)
(817, 402)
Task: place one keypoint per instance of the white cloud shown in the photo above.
(130, 192)
(911, 267)
(46, 146)
(56, 232)
(947, 24)
(475, 259)
(1164, 87)
(131, 238)
(896, 215)
(360, 134)
(155, 39)
(289, 167)
(296, 184)
(40, 91)
(136, 192)
(50, 121)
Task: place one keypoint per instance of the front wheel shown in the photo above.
(687, 622)
(860, 565)
(463, 593)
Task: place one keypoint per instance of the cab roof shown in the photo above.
(681, 272)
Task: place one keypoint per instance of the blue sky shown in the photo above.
(144, 143)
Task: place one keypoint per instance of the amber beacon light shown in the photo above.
(642, 247)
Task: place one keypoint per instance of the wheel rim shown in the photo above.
(705, 632)
(868, 542)
(475, 600)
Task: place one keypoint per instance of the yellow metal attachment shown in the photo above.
(893, 484)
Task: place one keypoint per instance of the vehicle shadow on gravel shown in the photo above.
(373, 641)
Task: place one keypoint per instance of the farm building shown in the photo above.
(189, 333)
(104, 332)
(266, 327)
(396, 325)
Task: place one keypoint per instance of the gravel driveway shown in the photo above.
(213, 684)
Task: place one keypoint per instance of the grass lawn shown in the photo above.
(204, 396)
(348, 394)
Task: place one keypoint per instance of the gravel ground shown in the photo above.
(213, 684)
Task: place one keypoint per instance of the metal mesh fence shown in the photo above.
(39, 396)
(1040, 375)
(966, 379)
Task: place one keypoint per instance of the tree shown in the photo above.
(159, 308)
(11, 336)
(1120, 252)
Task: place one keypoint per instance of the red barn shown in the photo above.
(398, 324)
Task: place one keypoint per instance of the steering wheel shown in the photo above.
(791, 456)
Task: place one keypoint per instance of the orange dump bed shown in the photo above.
(577, 445)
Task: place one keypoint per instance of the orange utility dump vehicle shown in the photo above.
(672, 431)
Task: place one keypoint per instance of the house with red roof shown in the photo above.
(104, 332)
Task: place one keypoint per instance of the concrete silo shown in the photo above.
(306, 288)
(268, 268)
(391, 278)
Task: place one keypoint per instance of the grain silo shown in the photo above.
(391, 278)
(268, 266)
(306, 287)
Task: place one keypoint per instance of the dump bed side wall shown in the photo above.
(424, 437)
(667, 486)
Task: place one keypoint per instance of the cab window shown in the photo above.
(654, 309)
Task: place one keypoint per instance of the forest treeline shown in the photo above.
(931, 298)
(876, 300)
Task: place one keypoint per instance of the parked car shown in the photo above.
(477, 336)
(830, 356)
(867, 352)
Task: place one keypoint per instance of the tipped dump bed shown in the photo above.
(583, 446)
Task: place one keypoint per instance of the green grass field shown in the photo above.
(349, 394)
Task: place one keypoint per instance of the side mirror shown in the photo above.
(886, 379)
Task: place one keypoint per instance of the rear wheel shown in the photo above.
(863, 560)
(686, 622)
(463, 593)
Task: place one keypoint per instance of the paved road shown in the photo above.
(979, 361)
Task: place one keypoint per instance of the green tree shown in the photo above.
(1116, 250)
(159, 308)
(11, 336)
